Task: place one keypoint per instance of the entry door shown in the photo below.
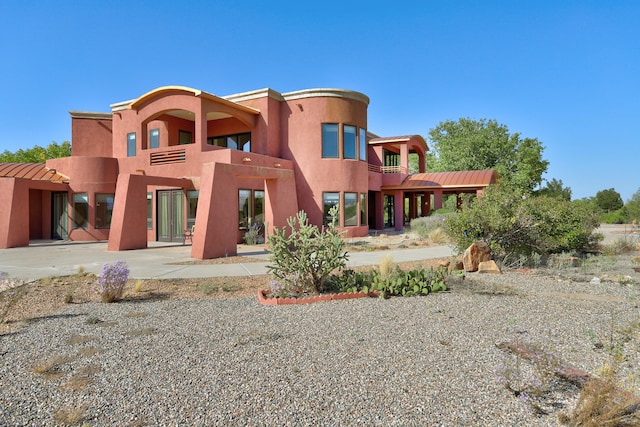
(59, 216)
(170, 215)
(389, 210)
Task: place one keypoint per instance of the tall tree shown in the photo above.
(609, 200)
(37, 154)
(469, 144)
(555, 188)
(633, 207)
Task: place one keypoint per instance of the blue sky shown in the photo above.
(565, 72)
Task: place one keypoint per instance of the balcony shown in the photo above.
(168, 157)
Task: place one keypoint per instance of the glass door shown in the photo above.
(170, 215)
(59, 216)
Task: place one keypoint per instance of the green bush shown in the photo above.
(424, 225)
(616, 217)
(303, 257)
(396, 282)
(515, 224)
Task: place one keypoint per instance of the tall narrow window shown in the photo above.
(244, 208)
(80, 210)
(104, 210)
(149, 211)
(349, 142)
(363, 209)
(258, 206)
(329, 200)
(131, 144)
(350, 209)
(154, 138)
(184, 137)
(329, 140)
(362, 141)
(192, 208)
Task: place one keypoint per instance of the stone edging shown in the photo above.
(264, 300)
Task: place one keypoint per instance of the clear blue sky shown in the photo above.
(565, 72)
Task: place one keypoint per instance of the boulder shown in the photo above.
(474, 255)
(489, 267)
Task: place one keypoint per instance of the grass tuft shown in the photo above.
(71, 415)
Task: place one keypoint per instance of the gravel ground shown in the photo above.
(399, 362)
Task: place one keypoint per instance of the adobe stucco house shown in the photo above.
(177, 157)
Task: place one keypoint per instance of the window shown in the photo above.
(149, 211)
(329, 200)
(390, 158)
(80, 210)
(258, 206)
(240, 141)
(329, 140)
(244, 208)
(363, 209)
(154, 138)
(184, 137)
(104, 210)
(349, 142)
(350, 209)
(192, 207)
(363, 144)
(131, 144)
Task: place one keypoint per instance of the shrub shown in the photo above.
(253, 234)
(393, 281)
(514, 224)
(112, 280)
(303, 257)
(423, 226)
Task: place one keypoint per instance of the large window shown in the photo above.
(349, 142)
(240, 141)
(244, 209)
(363, 209)
(350, 209)
(184, 137)
(131, 144)
(80, 210)
(330, 140)
(329, 200)
(192, 208)
(149, 211)
(154, 138)
(363, 144)
(104, 210)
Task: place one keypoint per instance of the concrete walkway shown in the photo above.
(160, 260)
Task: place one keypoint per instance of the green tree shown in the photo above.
(633, 206)
(469, 144)
(555, 188)
(609, 200)
(37, 154)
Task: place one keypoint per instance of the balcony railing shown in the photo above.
(387, 169)
(168, 157)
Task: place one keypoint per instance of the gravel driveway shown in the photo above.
(404, 361)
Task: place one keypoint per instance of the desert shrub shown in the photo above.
(515, 224)
(615, 217)
(112, 280)
(303, 256)
(391, 280)
(423, 226)
(254, 234)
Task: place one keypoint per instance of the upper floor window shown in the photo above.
(154, 138)
(349, 142)
(240, 141)
(131, 144)
(184, 137)
(363, 144)
(330, 140)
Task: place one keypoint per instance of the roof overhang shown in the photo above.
(459, 180)
(32, 171)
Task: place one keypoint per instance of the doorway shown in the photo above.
(389, 210)
(170, 215)
(59, 215)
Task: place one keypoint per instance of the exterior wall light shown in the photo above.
(246, 159)
(276, 165)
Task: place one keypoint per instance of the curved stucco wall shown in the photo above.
(302, 118)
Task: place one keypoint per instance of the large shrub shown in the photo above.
(303, 256)
(515, 224)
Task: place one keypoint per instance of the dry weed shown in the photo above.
(71, 415)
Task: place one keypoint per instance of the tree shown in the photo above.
(609, 200)
(37, 154)
(633, 206)
(555, 188)
(485, 144)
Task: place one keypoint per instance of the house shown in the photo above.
(176, 158)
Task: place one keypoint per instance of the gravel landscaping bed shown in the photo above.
(403, 361)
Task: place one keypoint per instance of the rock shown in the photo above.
(595, 281)
(444, 264)
(474, 255)
(456, 266)
(489, 267)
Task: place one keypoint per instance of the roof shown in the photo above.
(449, 180)
(34, 171)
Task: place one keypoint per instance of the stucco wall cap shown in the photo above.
(326, 92)
(255, 94)
(90, 115)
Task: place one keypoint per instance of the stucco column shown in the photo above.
(280, 201)
(14, 215)
(404, 158)
(129, 218)
(398, 206)
(437, 199)
(426, 203)
(201, 126)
